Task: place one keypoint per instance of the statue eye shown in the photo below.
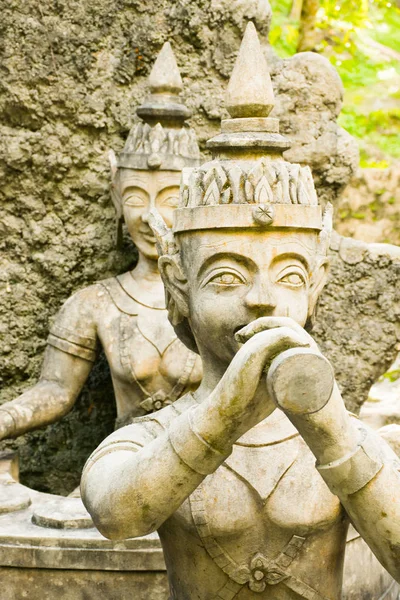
(227, 278)
(170, 201)
(294, 279)
(134, 200)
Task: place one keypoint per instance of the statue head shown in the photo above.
(249, 238)
(147, 173)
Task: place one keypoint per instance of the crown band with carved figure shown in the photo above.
(162, 140)
(248, 183)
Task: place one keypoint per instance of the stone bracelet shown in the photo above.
(191, 448)
(349, 474)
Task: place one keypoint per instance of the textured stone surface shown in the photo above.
(47, 584)
(309, 99)
(71, 74)
(359, 314)
(369, 208)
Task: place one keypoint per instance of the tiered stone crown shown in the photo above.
(248, 183)
(162, 140)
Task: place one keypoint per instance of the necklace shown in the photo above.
(138, 294)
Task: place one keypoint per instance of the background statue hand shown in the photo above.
(7, 425)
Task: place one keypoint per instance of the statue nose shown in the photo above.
(261, 296)
(145, 216)
(146, 212)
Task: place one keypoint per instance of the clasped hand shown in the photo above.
(241, 399)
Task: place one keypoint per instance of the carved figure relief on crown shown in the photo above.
(269, 181)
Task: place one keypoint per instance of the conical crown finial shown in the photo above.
(249, 92)
(165, 76)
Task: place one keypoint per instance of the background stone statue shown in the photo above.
(69, 84)
(125, 315)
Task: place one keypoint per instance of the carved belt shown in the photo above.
(260, 571)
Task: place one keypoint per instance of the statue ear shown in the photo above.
(116, 195)
(175, 284)
(318, 281)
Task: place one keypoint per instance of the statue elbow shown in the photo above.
(117, 527)
(115, 519)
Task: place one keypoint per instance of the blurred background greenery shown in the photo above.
(361, 38)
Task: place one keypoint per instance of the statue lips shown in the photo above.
(147, 235)
(243, 325)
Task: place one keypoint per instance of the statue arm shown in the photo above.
(61, 380)
(363, 471)
(356, 463)
(136, 480)
(67, 363)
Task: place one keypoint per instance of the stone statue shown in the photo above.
(126, 315)
(227, 474)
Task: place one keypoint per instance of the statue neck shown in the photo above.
(213, 371)
(146, 270)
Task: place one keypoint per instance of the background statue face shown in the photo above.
(235, 277)
(140, 192)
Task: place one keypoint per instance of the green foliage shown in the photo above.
(361, 39)
(391, 376)
(381, 129)
(284, 32)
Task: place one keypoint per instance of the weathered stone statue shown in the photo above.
(228, 479)
(126, 315)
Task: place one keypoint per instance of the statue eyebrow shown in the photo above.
(293, 255)
(136, 186)
(248, 262)
(164, 188)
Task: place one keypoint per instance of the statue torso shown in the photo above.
(264, 525)
(150, 367)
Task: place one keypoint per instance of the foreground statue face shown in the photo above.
(229, 481)
(234, 277)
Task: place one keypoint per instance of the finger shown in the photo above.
(265, 323)
(273, 342)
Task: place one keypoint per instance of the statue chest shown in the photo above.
(263, 526)
(260, 500)
(147, 358)
(147, 345)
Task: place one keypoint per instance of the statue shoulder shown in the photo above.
(114, 287)
(74, 328)
(143, 430)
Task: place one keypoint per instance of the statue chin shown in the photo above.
(146, 246)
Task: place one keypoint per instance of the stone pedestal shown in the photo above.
(49, 549)
(41, 563)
